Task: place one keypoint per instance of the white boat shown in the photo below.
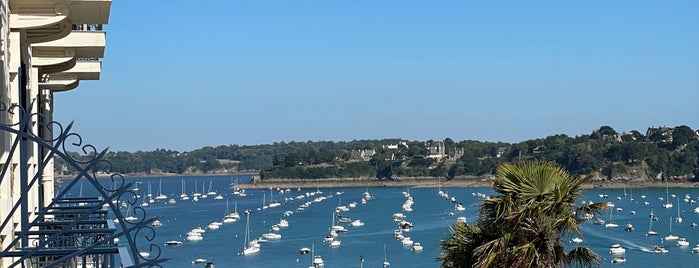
(650, 226)
(304, 250)
(406, 241)
(203, 193)
(618, 259)
(671, 237)
(249, 248)
(385, 260)
(183, 195)
(577, 240)
(335, 243)
(617, 249)
(214, 226)
(659, 249)
(417, 246)
(230, 217)
(191, 236)
(171, 201)
(679, 217)
(283, 223)
(160, 191)
(318, 262)
(196, 191)
(272, 236)
(682, 242)
(199, 260)
(144, 254)
(357, 223)
(629, 227)
(211, 192)
(695, 249)
(667, 197)
(611, 224)
(156, 223)
(173, 243)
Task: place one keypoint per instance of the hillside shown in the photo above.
(662, 153)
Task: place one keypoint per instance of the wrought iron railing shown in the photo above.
(69, 231)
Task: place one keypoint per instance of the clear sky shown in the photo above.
(182, 75)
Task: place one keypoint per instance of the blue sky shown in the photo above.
(186, 74)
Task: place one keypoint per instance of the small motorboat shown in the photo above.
(199, 260)
(682, 242)
(659, 249)
(173, 243)
(617, 249)
(618, 260)
(304, 250)
(417, 246)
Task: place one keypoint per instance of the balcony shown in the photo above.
(45, 21)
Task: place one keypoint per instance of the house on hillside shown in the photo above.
(435, 149)
(395, 146)
(362, 154)
(456, 153)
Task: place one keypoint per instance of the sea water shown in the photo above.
(431, 216)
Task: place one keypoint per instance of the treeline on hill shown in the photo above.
(670, 152)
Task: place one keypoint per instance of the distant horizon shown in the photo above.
(410, 140)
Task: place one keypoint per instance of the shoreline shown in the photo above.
(432, 183)
(460, 182)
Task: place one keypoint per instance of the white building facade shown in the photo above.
(46, 47)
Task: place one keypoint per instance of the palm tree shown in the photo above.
(524, 224)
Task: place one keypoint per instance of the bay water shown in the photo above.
(363, 246)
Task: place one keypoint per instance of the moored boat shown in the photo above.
(616, 249)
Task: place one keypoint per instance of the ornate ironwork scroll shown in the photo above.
(70, 231)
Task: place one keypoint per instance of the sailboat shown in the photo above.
(211, 192)
(145, 202)
(264, 201)
(671, 237)
(203, 193)
(249, 248)
(160, 191)
(316, 260)
(150, 193)
(631, 195)
(196, 191)
(385, 261)
(183, 196)
(650, 226)
(611, 224)
(229, 217)
(272, 203)
(679, 218)
(667, 196)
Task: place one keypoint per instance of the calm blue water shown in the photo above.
(431, 215)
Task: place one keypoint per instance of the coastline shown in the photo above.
(421, 182)
(435, 183)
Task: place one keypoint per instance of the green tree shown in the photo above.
(524, 225)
